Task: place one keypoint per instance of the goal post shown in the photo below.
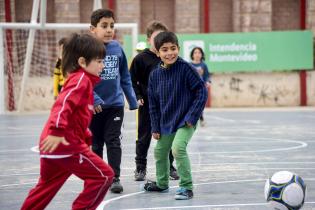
(33, 29)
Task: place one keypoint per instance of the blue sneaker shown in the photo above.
(152, 187)
(183, 194)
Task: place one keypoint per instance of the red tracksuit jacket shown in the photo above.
(71, 114)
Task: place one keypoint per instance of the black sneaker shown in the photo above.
(140, 175)
(116, 186)
(173, 174)
(183, 194)
(152, 187)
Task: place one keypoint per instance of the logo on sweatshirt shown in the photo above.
(111, 67)
(116, 118)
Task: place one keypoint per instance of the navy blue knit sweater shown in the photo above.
(177, 95)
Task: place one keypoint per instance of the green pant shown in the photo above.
(178, 143)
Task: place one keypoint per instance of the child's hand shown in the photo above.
(97, 109)
(140, 102)
(50, 143)
(189, 125)
(156, 136)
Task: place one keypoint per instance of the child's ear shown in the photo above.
(81, 62)
(92, 29)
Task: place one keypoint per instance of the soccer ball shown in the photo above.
(285, 191)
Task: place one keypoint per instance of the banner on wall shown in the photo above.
(247, 52)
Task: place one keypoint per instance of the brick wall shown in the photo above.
(284, 10)
(252, 15)
(128, 11)
(2, 11)
(67, 11)
(187, 16)
(221, 16)
(310, 22)
(162, 10)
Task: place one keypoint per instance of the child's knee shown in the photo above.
(178, 151)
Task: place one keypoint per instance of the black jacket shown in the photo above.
(140, 70)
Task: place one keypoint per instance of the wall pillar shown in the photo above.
(252, 15)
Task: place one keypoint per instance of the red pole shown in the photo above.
(206, 7)
(303, 75)
(9, 39)
(111, 4)
(206, 29)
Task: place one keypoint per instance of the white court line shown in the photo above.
(26, 174)
(214, 205)
(301, 145)
(35, 149)
(18, 136)
(14, 150)
(196, 171)
(193, 171)
(12, 185)
(106, 202)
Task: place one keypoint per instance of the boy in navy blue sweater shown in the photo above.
(140, 69)
(177, 96)
(109, 95)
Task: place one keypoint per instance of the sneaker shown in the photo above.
(173, 174)
(116, 186)
(140, 175)
(183, 194)
(151, 186)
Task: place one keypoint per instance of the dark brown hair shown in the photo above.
(202, 53)
(77, 46)
(165, 37)
(97, 15)
(155, 26)
(62, 41)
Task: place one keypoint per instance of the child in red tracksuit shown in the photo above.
(64, 142)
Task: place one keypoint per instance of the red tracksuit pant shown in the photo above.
(97, 176)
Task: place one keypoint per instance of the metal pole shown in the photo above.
(2, 92)
(28, 58)
(97, 4)
(43, 6)
(134, 38)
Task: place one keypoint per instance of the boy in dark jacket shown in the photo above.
(140, 69)
(109, 95)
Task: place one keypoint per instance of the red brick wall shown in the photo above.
(2, 11)
(187, 16)
(221, 14)
(310, 22)
(23, 11)
(162, 10)
(285, 15)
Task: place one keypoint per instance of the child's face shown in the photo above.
(197, 55)
(168, 53)
(95, 66)
(104, 29)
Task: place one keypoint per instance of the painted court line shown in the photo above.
(210, 206)
(106, 202)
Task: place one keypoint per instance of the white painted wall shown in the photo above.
(269, 89)
(227, 90)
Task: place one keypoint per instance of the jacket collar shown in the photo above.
(94, 79)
